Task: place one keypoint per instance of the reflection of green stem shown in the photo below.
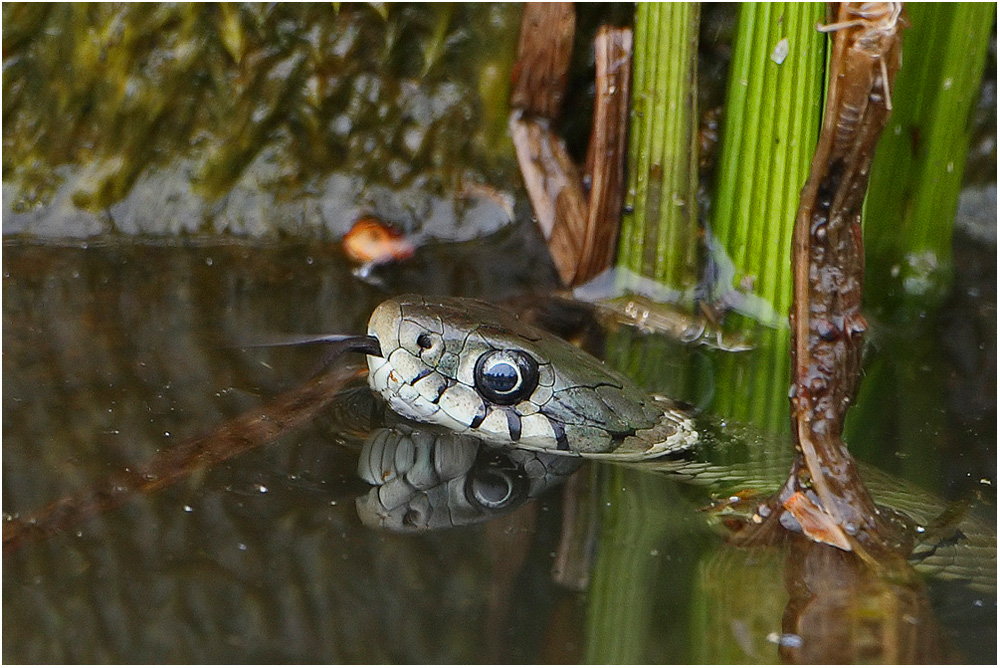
(917, 172)
(739, 598)
(643, 525)
(899, 403)
(752, 386)
(621, 598)
(660, 225)
(660, 365)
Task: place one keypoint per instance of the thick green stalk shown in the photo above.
(917, 173)
(660, 227)
(772, 120)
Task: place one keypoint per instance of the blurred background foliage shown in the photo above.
(191, 109)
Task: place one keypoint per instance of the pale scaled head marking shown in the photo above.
(474, 368)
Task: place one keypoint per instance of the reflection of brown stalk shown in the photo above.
(828, 259)
(580, 231)
(254, 428)
(843, 612)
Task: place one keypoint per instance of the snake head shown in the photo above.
(476, 369)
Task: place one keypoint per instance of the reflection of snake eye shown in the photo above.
(506, 377)
(492, 489)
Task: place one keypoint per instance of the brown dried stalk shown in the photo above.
(607, 150)
(543, 54)
(581, 234)
(828, 259)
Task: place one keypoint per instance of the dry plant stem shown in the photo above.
(828, 258)
(538, 84)
(553, 185)
(543, 54)
(606, 152)
(580, 234)
(254, 428)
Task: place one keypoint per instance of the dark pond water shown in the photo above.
(178, 187)
(116, 352)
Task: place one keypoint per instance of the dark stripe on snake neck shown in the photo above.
(420, 376)
(513, 424)
(562, 443)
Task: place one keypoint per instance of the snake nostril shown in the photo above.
(424, 341)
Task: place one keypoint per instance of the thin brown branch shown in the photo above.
(828, 259)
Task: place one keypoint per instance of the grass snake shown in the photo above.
(476, 369)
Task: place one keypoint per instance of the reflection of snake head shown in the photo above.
(427, 479)
(478, 370)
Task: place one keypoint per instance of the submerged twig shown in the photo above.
(256, 427)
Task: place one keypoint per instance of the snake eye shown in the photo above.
(506, 377)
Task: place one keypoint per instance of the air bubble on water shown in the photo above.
(187, 508)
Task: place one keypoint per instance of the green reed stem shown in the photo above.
(632, 584)
(659, 229)
(772, 118)
(920, 160)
